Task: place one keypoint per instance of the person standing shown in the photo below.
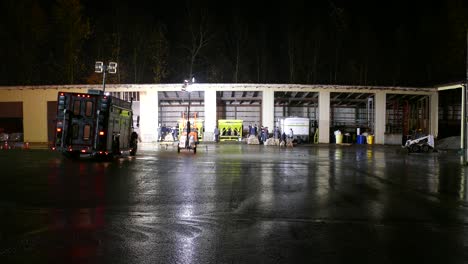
(291, 133)
(252, 131)
(216, 134)
(276, 133)
(159, 133)
(173, 132)
(283, 139)
(265, 134)
(261, 134)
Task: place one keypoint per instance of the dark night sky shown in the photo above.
(327, 41)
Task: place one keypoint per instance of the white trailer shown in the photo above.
(299, 125)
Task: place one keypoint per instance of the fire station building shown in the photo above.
(388, 113)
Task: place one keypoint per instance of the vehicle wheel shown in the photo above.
(414, 148)
(194, 150)
(425, 148)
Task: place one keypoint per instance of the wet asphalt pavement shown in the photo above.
(235, 204)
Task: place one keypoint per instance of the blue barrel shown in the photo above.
(361, 139)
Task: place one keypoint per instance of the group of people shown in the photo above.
(263, 133)
(163, 131)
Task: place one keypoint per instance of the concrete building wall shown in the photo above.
(34, 109)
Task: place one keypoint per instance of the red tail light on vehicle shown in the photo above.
(101, 133)
(59, 132)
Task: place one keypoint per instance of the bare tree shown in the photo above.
(198, 30)
(73, 29)
(292, 55)
(116, 38)
(138, 57)
(236, 38)
(338, 17)
(315, 55)
(159, 52)
(260, 53)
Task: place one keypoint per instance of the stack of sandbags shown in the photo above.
(272, 142)
(168, 138)
(253, 140)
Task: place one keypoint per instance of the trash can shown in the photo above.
(361, 139)
(339, 138)
(347, 138)
(370, 139)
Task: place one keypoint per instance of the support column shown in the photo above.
(324, 117)
(210, 114)
(268, 108)
(434, 114)
(149, 120)
(379, 124)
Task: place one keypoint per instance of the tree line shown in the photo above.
(401, 44)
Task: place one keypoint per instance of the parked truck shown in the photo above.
(94, 125)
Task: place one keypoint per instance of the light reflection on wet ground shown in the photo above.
(235, 204)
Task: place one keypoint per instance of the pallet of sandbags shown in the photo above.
(272, 142)
(253, 140)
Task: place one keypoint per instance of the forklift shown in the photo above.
(419, 142)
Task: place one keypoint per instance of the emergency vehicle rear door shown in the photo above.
(82, 121)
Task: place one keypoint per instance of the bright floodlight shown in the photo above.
(112, 67)
(99, 67)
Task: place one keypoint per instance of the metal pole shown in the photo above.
(463, 126)
(464, 95)
(188, 123)
(104, 67)
(104, 70)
